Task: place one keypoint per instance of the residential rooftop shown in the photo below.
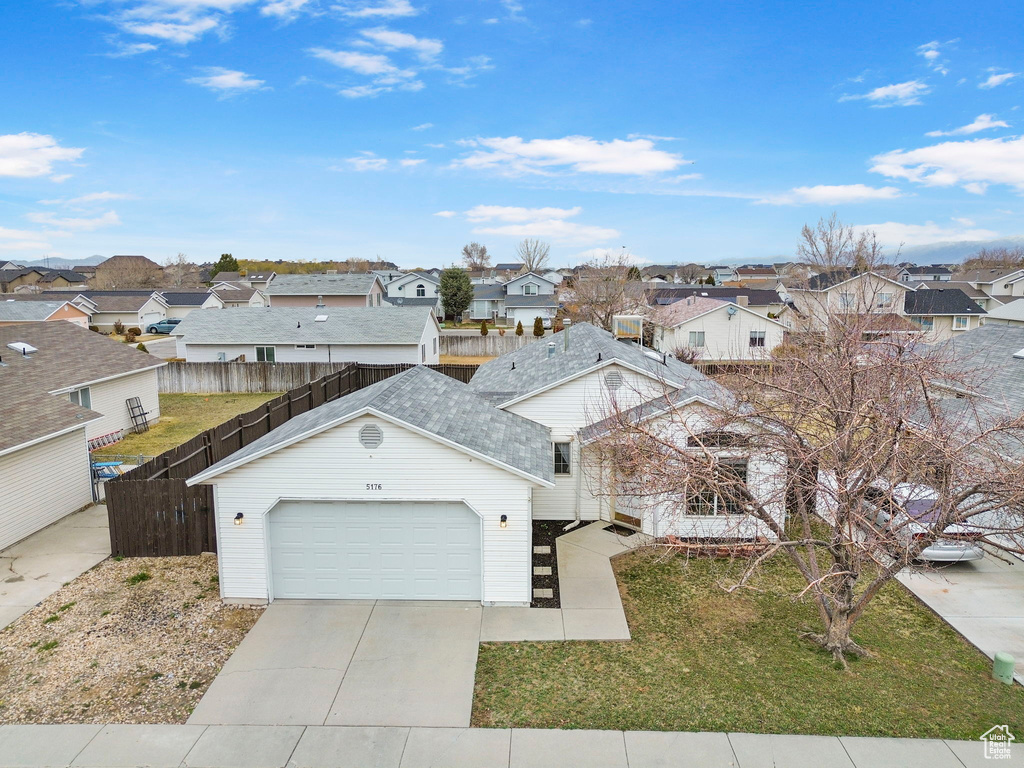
(321, 285)
(27, 311)
(940, 301)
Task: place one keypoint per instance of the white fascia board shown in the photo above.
(65, 390)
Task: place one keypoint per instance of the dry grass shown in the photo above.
(465, 359)
(116, 646)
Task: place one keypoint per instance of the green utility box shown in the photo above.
(1002, 668)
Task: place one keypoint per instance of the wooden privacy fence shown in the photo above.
(491, 345)
(208, 378)
(153, 513)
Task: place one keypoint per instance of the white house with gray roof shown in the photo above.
(296, 335)
(348, 290)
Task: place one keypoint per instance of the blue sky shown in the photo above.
(330, 129)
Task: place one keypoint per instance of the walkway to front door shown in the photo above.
(317, 662)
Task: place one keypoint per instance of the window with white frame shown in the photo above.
(266, 355)
(960, 323)
(421, 290)
(846, 300)
(926, 323)
(530, 289)
(757, 338)
(435, 345)
(696, 339)
(884, 299)
(726, 499)
(82, 397)
(563, 458)
(423, 353)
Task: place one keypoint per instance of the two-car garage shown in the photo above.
(368, 550)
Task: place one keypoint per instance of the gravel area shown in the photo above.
(132, 641)
(544, 534)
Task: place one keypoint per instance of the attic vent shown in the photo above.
(320, 319)
(1019, 355)
(613, 380)
(22, 347)
(371, 437)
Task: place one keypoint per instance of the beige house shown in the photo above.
(348, 290)
(60, 387)
(715, 330)
(15, 312)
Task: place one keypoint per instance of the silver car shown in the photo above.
(908, 509)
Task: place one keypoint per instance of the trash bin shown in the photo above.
(1002, 668)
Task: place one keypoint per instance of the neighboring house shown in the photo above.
(420, 487)
(127, 271)
(715, 330)
(979, 297)
(931, 273)
(839, 292)
(181, 303)
(509, 269)
(257, 280)
(553, 276)
(61, 278)
(415, 289)
(520, 300)
(234, 295)
(942, 312)
(86, 270)
(298, 335)
(84, 367)
(1007, 314)
(10, 266)
(722, 274)
(756, 273)
(762, 301)
(1001, 283)
(227, 277)
(349, 290)
(993, 357)
(13, 279)
(133, 309)
(15, 312)
(570, 384)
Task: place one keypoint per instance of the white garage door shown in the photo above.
(151, 317)
(375, 550)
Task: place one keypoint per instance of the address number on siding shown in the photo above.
(373, 486)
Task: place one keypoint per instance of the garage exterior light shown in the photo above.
(238, 518)
(504, 521)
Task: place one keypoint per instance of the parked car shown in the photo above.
(546, 323)
(908, 511)
(164, 326)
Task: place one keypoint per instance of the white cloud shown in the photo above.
(824, 194)
(386, 9)
(92, 197)
(422, 127)
(108, 219)
(614, 254)
(227, 81)
(995, 80)
(22, 240)
(581, 154)
(435, 146)
(651, 136)
(973, 164)
(896, 95)
(285, 9)
(365, 161)
(361, 63)
(931, 54)
(892, 234)
(513, 221)
(981, 123)
(411, 162)
(180, 32)
(427, 49)
(446, 214)
(125, 50)
(60, 178)
(25, 155)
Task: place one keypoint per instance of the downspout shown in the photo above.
(579, 477)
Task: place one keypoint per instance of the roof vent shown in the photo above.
(320, 318)
(371, 437)
(613, 380)
(21, 346)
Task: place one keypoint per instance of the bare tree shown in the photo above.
(994, 258)
(179, 272)
(604, 288)
(871, 447)
(128, 274)
(691, 273)
(476, 257)
(533, 253)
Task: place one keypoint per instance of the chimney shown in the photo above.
(742, 301)
(551, 349)
(565, 331)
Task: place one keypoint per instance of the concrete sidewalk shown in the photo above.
(215, 746)
(36, 567)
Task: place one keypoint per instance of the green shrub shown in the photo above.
(142, 347)
(483, 327)
(138, 578)
(519, 328)
(538, 327)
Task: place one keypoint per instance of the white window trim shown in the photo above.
(699, 336)
(76, 397)
(273, 351)
(554, 457)
(957, 319)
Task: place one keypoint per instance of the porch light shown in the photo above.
(238, 518)
(504, 521)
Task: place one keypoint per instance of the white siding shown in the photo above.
(286, 353)
(333, 465)
(724, 339)
(42, 484)
(375, 353)
(109, 399)
(431, 342)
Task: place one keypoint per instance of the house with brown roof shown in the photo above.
(61, 386)
(128, 272)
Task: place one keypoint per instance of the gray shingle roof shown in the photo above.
(493, 292)
(991, 349)
(434, 403)
(27, 311)
(756, 297)
(321, 285)
(185, 298)
(589, 346)
(541, 300)
(412, 301)
(940, 301)
(297, 325)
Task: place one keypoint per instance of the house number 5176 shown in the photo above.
(373, 486)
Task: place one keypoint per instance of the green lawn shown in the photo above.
(182, 417)
(705, 660)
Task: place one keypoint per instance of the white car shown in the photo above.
(908, 510)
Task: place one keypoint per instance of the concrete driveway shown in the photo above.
(368, 663)
(164, 347)
(983, 601)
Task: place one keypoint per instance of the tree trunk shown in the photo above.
(836, 638)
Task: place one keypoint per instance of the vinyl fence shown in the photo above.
(207, 378)
(152, 513)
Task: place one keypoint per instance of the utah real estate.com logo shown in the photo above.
(997, 742)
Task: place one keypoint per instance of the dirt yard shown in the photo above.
(132, 641)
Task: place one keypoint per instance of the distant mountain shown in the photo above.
(59, 263)
(942, 253)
